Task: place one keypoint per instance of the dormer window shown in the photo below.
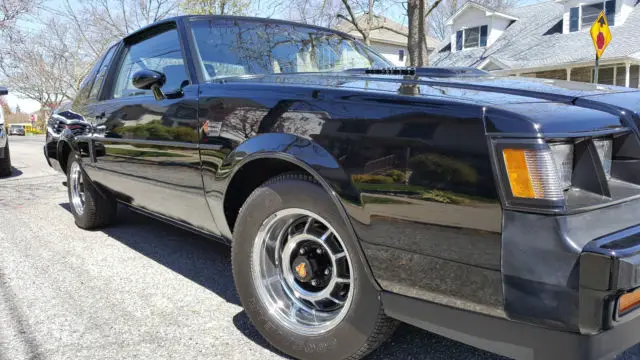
(584, 16)
(472, 37)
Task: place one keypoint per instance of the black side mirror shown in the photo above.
(150, 80)
(3, 90)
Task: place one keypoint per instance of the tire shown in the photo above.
(363, 325)
(5, 162)
(96, 210)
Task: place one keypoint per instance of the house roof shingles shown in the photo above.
(524, 44)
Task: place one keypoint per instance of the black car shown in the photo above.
(498, 211)
(5, 157)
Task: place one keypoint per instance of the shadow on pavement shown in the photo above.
(15, 172)
(208, 264)
(200, 260)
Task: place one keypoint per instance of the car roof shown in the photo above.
(228, 17)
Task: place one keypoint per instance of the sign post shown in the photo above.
(596, 71)
(601, 37)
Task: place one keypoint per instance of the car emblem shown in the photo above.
(301, 269)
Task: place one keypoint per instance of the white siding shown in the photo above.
(623, 10)
(471, 17)
(474, 17)
(566, 20)
(391, 52)
(496, 28)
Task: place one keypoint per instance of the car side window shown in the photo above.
(101, 73)
(161, 53)
(87, 82)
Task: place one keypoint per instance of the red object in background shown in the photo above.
(600, 40)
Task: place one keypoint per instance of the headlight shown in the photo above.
(604, 146)
(563, 159)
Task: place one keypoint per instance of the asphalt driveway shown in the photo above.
(138, 290)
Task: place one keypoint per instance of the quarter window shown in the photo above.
(161, 53)
(87, 82)
(102, 72)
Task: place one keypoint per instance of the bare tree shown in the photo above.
(49, 66)
(315, 12)
(438, 19)
(215, 7)
(363, 27)
(361, 15)
(46, 67)
(417, 40)
(101, 22)
(12, 10)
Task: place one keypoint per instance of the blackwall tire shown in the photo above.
(5, 163)
(90, 208)
(360, 328)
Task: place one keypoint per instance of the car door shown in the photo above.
(146, 149)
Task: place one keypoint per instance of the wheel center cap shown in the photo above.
(302, 269)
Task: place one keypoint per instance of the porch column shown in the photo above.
(627, 81)
(615, 75)
(568, 74)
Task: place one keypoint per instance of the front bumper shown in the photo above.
(511, 338)
(609, 267)
(562, 280)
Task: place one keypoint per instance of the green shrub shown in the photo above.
(397, 175)
(436, 168)
(372, 179)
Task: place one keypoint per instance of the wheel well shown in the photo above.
(250, 177)
(63, 155)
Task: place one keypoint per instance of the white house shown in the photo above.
(546, 40)
(389, 38)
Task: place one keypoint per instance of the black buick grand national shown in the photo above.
(498, 211)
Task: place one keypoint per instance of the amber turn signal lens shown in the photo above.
(518, 173)
(628, 301)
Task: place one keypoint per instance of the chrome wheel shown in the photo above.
(77, 187)
(302, 271)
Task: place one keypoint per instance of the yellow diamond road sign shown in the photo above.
(600, 34)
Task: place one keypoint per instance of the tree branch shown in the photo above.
(354, 21)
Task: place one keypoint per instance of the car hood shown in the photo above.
(489, 90)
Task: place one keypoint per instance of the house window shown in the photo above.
(401, 55)
(584, 16)
(574, 19)
(472, 37)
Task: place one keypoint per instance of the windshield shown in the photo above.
(16, 126)
(244, 47)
